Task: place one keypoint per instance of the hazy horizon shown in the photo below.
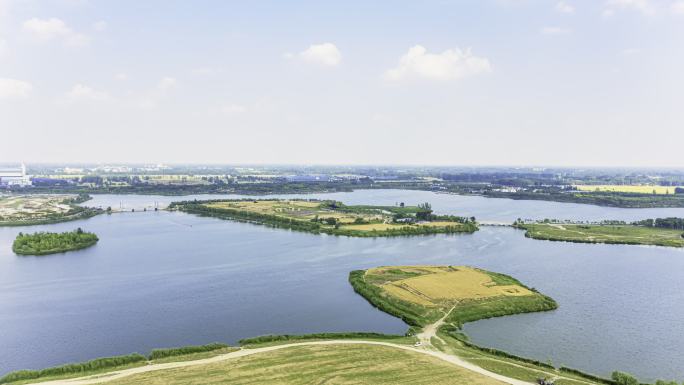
(508, 83)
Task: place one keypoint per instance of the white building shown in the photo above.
(15, 177)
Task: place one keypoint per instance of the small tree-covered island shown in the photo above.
(44, 243)
(332, 217)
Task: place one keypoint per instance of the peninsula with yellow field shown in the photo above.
(421, 295)
(332, 217)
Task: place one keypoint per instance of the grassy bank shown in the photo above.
(334, 364)
(81, 368)
(106, 364)
(611, 234)
(44, 243)
(330, 217)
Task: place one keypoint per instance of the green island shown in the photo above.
(434, 300)
(667, 232)
(28, 210)
(332, 217)
(43, 243)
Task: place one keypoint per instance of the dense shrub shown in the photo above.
(48, 243)
(170, 352)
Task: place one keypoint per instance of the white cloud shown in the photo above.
(100, 26)
(643, 6)
(554, 31)
(452, 64)
(325, 54)
(678, 7)
(14, 89)
(121, 76)
(167, 83)
(54, 29)
(564, 7)
(82, 92)
(233, 109)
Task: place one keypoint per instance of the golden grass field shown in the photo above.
(323, 364)
(437, 286)
(640, 189)
(302, 210)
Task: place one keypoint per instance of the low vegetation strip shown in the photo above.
(316, 336)
(192, 349)
(110, 363)
(421, 295)
(43, 243)
(331, 217)
(77, 368)
(604, 233)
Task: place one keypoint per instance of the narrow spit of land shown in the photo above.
(28, 210)
(628, 234)
(332, 217)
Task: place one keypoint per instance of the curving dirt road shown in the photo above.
(101, 378)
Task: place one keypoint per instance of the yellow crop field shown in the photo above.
(639, 189)
(435, 286)
(438, 224)
(374, 226)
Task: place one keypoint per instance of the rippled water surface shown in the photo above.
(159, 279)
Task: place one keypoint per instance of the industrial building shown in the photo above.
(14, 177)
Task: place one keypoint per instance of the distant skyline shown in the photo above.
(433, 82)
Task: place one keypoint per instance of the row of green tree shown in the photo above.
(663, 223)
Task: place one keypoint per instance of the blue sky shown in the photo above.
(492, 82)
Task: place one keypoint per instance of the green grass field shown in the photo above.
(615, 234)
(327, 364)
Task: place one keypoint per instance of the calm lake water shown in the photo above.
(160, 279)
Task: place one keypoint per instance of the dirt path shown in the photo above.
(100, 378)
(425, 337)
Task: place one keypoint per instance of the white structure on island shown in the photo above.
(14, 177)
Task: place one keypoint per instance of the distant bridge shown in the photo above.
(495, 223)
